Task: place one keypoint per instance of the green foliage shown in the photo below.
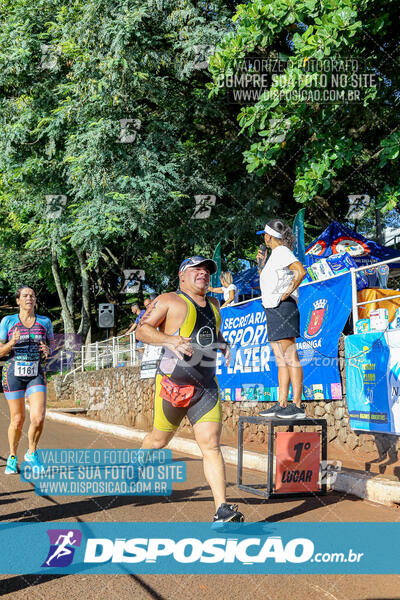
(70, 73)
(329, 150)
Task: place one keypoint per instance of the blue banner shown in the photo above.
(155, 548)
(373, 381)
(253, 373)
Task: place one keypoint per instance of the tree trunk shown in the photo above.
(70, 299)
(85, 326)
(66, 315)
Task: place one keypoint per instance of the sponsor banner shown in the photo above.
(373, 381)
(297, 462)
(104, 472)
(253, 373)
(248, 548)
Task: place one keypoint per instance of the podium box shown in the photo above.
(293, 458)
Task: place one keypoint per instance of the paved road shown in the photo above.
(191, 501)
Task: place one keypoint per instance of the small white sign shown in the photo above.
(55, 205)
(202, 53)
(50, 56)
(204, 205)
(358, 204)
(278, 130)
(129, 129)
(133, 280)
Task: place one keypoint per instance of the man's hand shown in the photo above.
(179, 345)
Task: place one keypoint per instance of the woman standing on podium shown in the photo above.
(280, 277)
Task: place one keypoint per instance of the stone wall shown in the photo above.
(119, 396)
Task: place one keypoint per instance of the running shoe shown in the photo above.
(291, 411)
(34, 460)
(271, 412)
(227, 513)
(11, 466)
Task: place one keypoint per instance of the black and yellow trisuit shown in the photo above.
(202, 324)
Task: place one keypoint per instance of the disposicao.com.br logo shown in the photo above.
(247, 551)
(191, 550)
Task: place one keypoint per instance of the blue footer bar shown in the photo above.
(254, 548)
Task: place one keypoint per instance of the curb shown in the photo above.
(362, 485)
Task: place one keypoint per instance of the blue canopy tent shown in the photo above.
(248, 282)
(337, 239)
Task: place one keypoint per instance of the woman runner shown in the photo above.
(27, 338)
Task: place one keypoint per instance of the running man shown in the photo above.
(62, 550)
(189, 330)
(27, 337)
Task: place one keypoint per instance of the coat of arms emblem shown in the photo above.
(316, 318)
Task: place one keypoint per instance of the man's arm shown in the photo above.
(131, 329)
(298, 275)
(153, 318)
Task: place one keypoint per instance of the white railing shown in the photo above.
(113, 352)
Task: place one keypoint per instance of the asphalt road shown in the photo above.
(190, 501)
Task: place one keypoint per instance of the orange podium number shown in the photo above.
(297, 462)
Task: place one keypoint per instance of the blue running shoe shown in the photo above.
(34, 460)
(11, 466)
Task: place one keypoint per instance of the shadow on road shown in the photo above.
(21, 582)
(307, 505)
(95, 504)
(61, 510)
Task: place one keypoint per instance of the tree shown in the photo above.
(105, 111)
(325, 151)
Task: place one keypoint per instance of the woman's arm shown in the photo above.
(218, 290)
(299, 273)
(230, 299)
(8, 346)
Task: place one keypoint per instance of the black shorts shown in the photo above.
(204, 407)
(283, 321)
(18, 387)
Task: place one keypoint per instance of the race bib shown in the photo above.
(26, 368)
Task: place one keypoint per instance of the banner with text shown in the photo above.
(253, 373)
(238, 548)
(373, 381)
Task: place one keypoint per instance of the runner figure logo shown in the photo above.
(394, 382)
(61, 552)
(316, 318)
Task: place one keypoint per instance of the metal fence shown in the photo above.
(118, 351)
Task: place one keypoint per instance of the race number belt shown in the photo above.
(177, 395)
(26, 368)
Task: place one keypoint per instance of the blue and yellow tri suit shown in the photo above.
(23, 371)
(202, 324)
